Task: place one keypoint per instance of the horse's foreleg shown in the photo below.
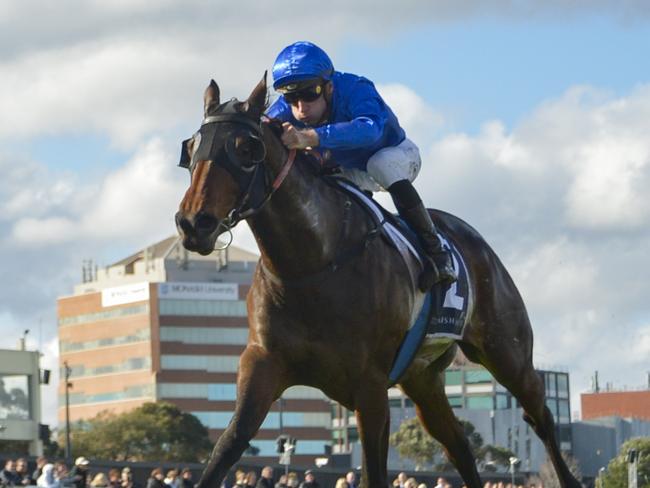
(373, 422)
(257, 387)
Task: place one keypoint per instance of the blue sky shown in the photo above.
(491, 67)
(532, 119)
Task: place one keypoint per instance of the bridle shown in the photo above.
(252, 177)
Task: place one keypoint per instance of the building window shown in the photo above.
(563, 385)
(564, 414)
(453, 377)
(480, 402)
(130, 393)
(115, 313)
(456, 401)
(551, 389)
(205, 335)
(14, 397)
(214, 364)
(502, 402)
(131, 364)
(478, 376)
(203, 308)
(138, 336)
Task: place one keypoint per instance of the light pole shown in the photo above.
(280, 413)
(513, 463)
(68, 385)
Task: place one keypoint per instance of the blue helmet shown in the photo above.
(301, 61)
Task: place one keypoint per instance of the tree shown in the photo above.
(151, 432)
(414, 443)
(548, 476)
(475, 445)
(616, 474)
(495, 456)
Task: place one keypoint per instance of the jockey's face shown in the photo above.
(312, 112)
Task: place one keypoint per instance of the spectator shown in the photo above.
(61, 472)
(79, 474)
(351, 479)
(172, 480)
(114, 480)
(23, 477)
(251, 479)
(411, 483)
(186, 478)
(48, 478)
(99, 481)
(240, 479)
(341, 483)
(266, 478)
(400, 481)
(422, 485)
(40, 462)
(441, 483)
(282, 482)
(310, 480)
(292, 480)
(8, 476)
(156, 479)
(126, 478)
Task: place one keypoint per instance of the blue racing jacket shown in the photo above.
(360, 123)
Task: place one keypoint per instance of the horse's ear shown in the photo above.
(256, 102)
(210, 97)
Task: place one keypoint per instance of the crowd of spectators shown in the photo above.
(56, 475)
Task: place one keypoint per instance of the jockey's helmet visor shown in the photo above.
(306, 94)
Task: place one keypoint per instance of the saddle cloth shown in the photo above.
(444, 311)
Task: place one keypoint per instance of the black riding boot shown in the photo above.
(442, 269)
(438, 267)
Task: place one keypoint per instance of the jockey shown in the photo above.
(344, 116)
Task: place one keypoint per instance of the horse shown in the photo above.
(330, 304)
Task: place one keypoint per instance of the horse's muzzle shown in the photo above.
(197, 231)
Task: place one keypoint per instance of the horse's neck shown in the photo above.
(298, 228)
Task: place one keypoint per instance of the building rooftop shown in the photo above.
(167, 260)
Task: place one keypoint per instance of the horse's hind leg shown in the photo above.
(509, 359)
(427, 391)
(258, 384)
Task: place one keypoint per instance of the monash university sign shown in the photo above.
(198, 291)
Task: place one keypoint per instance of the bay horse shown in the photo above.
(329, 305)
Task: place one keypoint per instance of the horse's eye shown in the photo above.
(250, 148)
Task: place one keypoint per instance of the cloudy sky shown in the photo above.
(533, 119)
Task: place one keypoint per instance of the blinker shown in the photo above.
(185, 160)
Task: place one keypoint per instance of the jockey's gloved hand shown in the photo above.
(299, 138)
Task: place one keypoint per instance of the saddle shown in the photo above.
(445, 308)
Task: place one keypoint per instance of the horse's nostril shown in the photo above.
(183, 223)
(205, 224)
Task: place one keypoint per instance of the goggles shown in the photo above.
(307, 94)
